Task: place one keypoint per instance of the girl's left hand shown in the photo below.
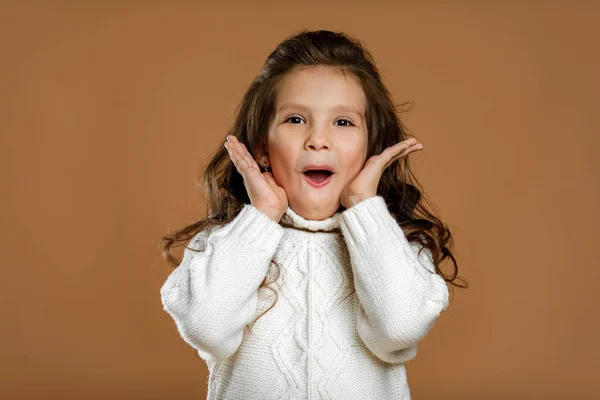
(366, 182)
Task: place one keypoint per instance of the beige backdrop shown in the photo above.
(108, 111)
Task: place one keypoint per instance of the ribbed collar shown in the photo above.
(290, 217)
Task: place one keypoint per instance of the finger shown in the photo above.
(248, 157)
(232, 156)
(410, 149)
(240, 153)
(233, 153)
(240, 164)
(244, 169)
(243, 153)
(408, 142)
(388, 155)
(414, 147)
(403, 153)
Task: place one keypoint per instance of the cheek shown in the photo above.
(282, 159)
(357, 164)
(354, 160)
(278, 155)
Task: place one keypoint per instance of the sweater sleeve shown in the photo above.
(399, 292)
(213, 294)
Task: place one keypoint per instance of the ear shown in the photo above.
(262, 157)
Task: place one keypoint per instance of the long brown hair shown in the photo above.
(224, 187)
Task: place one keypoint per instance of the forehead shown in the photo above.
(320, 88)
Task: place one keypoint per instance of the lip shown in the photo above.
(322, 166)
(312, 183)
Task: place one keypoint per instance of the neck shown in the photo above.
(294, 220)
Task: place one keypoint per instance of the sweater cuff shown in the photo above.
(367, 217)
(254, 229)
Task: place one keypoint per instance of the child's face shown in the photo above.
(314, 131)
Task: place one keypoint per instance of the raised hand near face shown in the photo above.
(364, 185)
(263, 191)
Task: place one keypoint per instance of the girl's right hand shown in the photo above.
(263, 191)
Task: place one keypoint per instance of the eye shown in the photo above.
(294, 117)
(298, 119)
(347, 121)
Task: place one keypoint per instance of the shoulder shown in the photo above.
(199, 241)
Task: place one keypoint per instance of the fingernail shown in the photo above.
(227, 138)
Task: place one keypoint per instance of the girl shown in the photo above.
(331, 227)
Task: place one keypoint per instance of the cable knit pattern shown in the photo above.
(320, 340)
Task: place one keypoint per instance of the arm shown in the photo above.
(213, 294)
(400, 294)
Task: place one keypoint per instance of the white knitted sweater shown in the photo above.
(316, 342)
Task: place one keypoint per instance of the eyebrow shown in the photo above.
(339, 107)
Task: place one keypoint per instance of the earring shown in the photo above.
(266, 167)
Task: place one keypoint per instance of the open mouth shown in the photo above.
(318, 175)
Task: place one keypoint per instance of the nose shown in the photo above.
(317, 139)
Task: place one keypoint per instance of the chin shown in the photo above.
(317, 212)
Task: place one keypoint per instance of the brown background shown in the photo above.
(109, 110)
